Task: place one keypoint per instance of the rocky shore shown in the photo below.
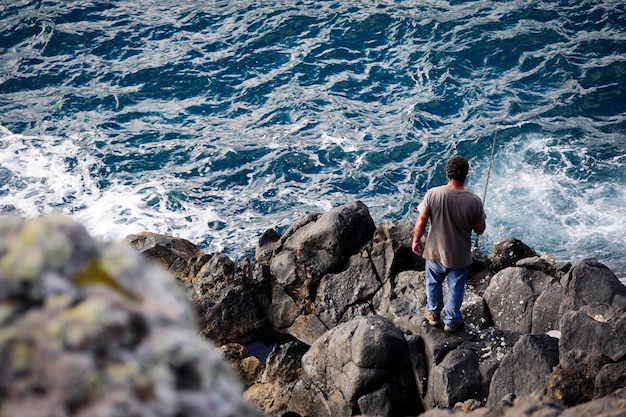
(326, 320)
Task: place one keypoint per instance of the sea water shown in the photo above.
(216, 120)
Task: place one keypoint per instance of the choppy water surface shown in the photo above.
(214, 121)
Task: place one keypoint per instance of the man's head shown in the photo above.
(457, 168)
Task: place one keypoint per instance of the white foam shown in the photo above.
(40, 177)
(538, 195)
(346, 144)
(51, 175)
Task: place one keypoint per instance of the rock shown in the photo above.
(359, 367)
(399, 235)
(455, 379)
(318, 243)
(283, 368)
(267, 244)
(36, 257)
(284, 363)
(546, 265)
(227, 310)
(256, 278)
(520, 407)
(525, 368)
(94, 329)
(438, 343)
(231, 299)
(333, 274)
(524, 300)
(179, 256)
(348, 294)
(479, 273)
(467, 405)
(246, 366)
(593, 311)
(603, 407)
(590, 282)
(610, 380)
(541, 407)
(595, 328)
(402, 296)
(314, 246)
(572, 382)
(448, 366)
(493, 345)
(507, 252)
(475, 310)
(215, 275)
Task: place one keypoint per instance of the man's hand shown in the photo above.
(418, 247)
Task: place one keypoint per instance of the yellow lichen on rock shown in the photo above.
(95, 274)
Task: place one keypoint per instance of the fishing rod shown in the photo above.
(493, 148)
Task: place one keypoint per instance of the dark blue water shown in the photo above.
(214, 121)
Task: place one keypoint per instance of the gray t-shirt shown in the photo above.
(453, 215)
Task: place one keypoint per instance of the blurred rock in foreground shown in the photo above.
(94, 329)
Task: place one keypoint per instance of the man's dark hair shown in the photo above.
(457, 168)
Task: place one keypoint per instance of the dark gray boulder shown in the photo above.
(365, 284)
(347, 294)
(591, 282)
(480, 272)
(475, 310)
(448, 366)
(493, 345)
(524, 300)
(593, 311)
(359, 367)
(267, 244)
(398, 235)
(231, 300)
(524, 370)
(401, 297)
(316, 245)
(507, 252)
(596, 328)
(228, 311)
(256, 278)
(456, 378)
(545, 265)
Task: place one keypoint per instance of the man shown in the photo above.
(453, 213)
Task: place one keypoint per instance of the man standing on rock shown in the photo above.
(453, 213)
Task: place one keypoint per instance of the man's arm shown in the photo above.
(418, 232)
(479, 228)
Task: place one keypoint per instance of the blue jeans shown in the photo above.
(435, 274)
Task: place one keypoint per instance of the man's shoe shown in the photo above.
(433, 319)
(454, 326)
